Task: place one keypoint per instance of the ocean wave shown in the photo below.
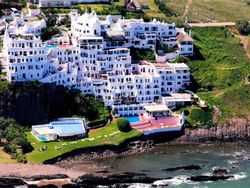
(177, 180)
(239, 176)
(140, 185)
(233, 161)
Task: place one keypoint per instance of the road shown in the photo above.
(212, 24)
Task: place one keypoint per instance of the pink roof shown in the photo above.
(158, 124)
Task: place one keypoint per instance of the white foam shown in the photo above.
(239, 176)
(139, 185)
(232, 161)
(207, 174)
(177, 180)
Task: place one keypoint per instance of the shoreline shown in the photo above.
(237, 131)
(67, 168)
(76, 172)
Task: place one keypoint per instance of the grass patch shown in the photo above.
(102, 8)
(3, 83)
(5, 158)
(218, 10)
(237, 100)
(37, 157)
(200, 117)
(153, 11)
(197, 117)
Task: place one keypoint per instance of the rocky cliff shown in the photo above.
(237, 129)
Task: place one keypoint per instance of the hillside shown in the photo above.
(220, 72)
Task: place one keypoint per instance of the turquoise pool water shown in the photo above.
(42, 139)
(133, 119)
(51, 46)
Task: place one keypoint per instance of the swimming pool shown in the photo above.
(42, 139)
(51, 46)
(133, 119)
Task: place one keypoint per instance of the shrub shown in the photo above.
(31, 6)
(165, 9)
(142, 54)
(243, 27)
(182, 59)
(21, 158)
(49, 32)
(186, 112)
(123, 125)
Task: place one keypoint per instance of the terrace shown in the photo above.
(156, 119)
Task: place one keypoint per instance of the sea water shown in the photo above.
(235, 158)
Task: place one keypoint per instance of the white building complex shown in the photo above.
(66, 3)
(94, 57)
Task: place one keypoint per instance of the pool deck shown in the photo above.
(149, 125)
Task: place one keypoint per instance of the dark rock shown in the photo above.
(220, 172)
(48, 186)
(10, 182)
(209, 178)
(47, 177)
(237, 129)
(71, 186)
(102, 172)
(188, 167)
(134, 174)
(145, 170)
(33, 186)
(128, 178)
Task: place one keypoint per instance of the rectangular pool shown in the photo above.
(51, 46)
(133, 119)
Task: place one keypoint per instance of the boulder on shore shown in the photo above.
(188, 167)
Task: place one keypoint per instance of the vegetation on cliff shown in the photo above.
(44, 102)
(13, 138)
(220, 70)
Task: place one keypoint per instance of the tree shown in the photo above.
(182, 59)
(49, 32)
(51, 19)
(67, 21)
(243, 27)
(123, 124)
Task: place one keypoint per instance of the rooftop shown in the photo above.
(178, 97)
(156, 108)
(184, 37)
(62, 127)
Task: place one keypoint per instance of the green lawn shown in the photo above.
(37, 156)
(221, 75)
(196, 116)
(153, 11)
